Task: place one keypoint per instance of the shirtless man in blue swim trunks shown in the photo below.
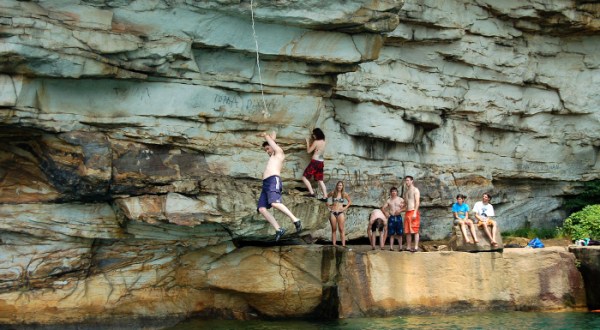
(393, 209)
(272, 186)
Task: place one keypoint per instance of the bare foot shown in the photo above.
(494, 244)
(476, 241)
(468, 241)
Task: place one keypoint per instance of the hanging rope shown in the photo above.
(265, 111)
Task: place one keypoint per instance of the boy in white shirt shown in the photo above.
(483, 210)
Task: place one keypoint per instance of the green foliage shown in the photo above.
(589, 195)
(541, 233)
(583, 224)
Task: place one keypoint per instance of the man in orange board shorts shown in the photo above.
(412, 218)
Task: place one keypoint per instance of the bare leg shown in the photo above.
(382, 239)
(494, 234)
(285, 210)
(473, 232)
(464, 231)
(333, 222)
(269, 217)
(400, 243)
(392, 242)
(308, 185)
(487, 232)
(416, 241)
(371, 235)
(408, 241)
(341, 222)
(323, 188)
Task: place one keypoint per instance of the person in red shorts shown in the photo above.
(316, 145)
(412, 219)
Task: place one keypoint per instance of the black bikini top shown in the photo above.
(337, 200)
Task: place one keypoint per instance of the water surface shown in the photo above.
(500, 320)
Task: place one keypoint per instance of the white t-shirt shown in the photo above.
(482, 210)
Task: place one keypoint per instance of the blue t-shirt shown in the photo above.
(460, 209)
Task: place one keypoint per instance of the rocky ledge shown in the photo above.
(123, 281)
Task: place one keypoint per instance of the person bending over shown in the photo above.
(377, 221)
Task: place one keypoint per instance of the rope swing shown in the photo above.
(265, 111)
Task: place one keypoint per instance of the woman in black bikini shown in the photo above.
(337, 218)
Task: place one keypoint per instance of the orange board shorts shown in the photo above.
(411, 226)
(489, 222)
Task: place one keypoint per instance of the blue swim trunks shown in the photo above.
(395, 225)
(271, 192)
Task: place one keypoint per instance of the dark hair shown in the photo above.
(392, 189)
(461, 196)
(377, 225)
(488, 195)
(265, 144)
(318, 133)
(409, 177)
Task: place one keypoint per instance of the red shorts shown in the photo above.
(411, 226)
(314, 169)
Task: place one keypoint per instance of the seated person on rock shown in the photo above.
(460, 210)
(377, 221)
(483, 210)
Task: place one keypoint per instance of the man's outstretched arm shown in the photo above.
(271, 140)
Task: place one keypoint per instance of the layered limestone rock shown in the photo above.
(388, 283)
(458, 243)
(466, 96)
(127, 131)
(160, 279)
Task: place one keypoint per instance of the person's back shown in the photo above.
(319, 150)
(315, 145)
(376, 214)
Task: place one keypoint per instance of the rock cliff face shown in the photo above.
(127, 128)
(299, 281)
(589, 266)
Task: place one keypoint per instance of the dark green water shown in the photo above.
(503, 320)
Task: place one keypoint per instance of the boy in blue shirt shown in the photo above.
(460, 210)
